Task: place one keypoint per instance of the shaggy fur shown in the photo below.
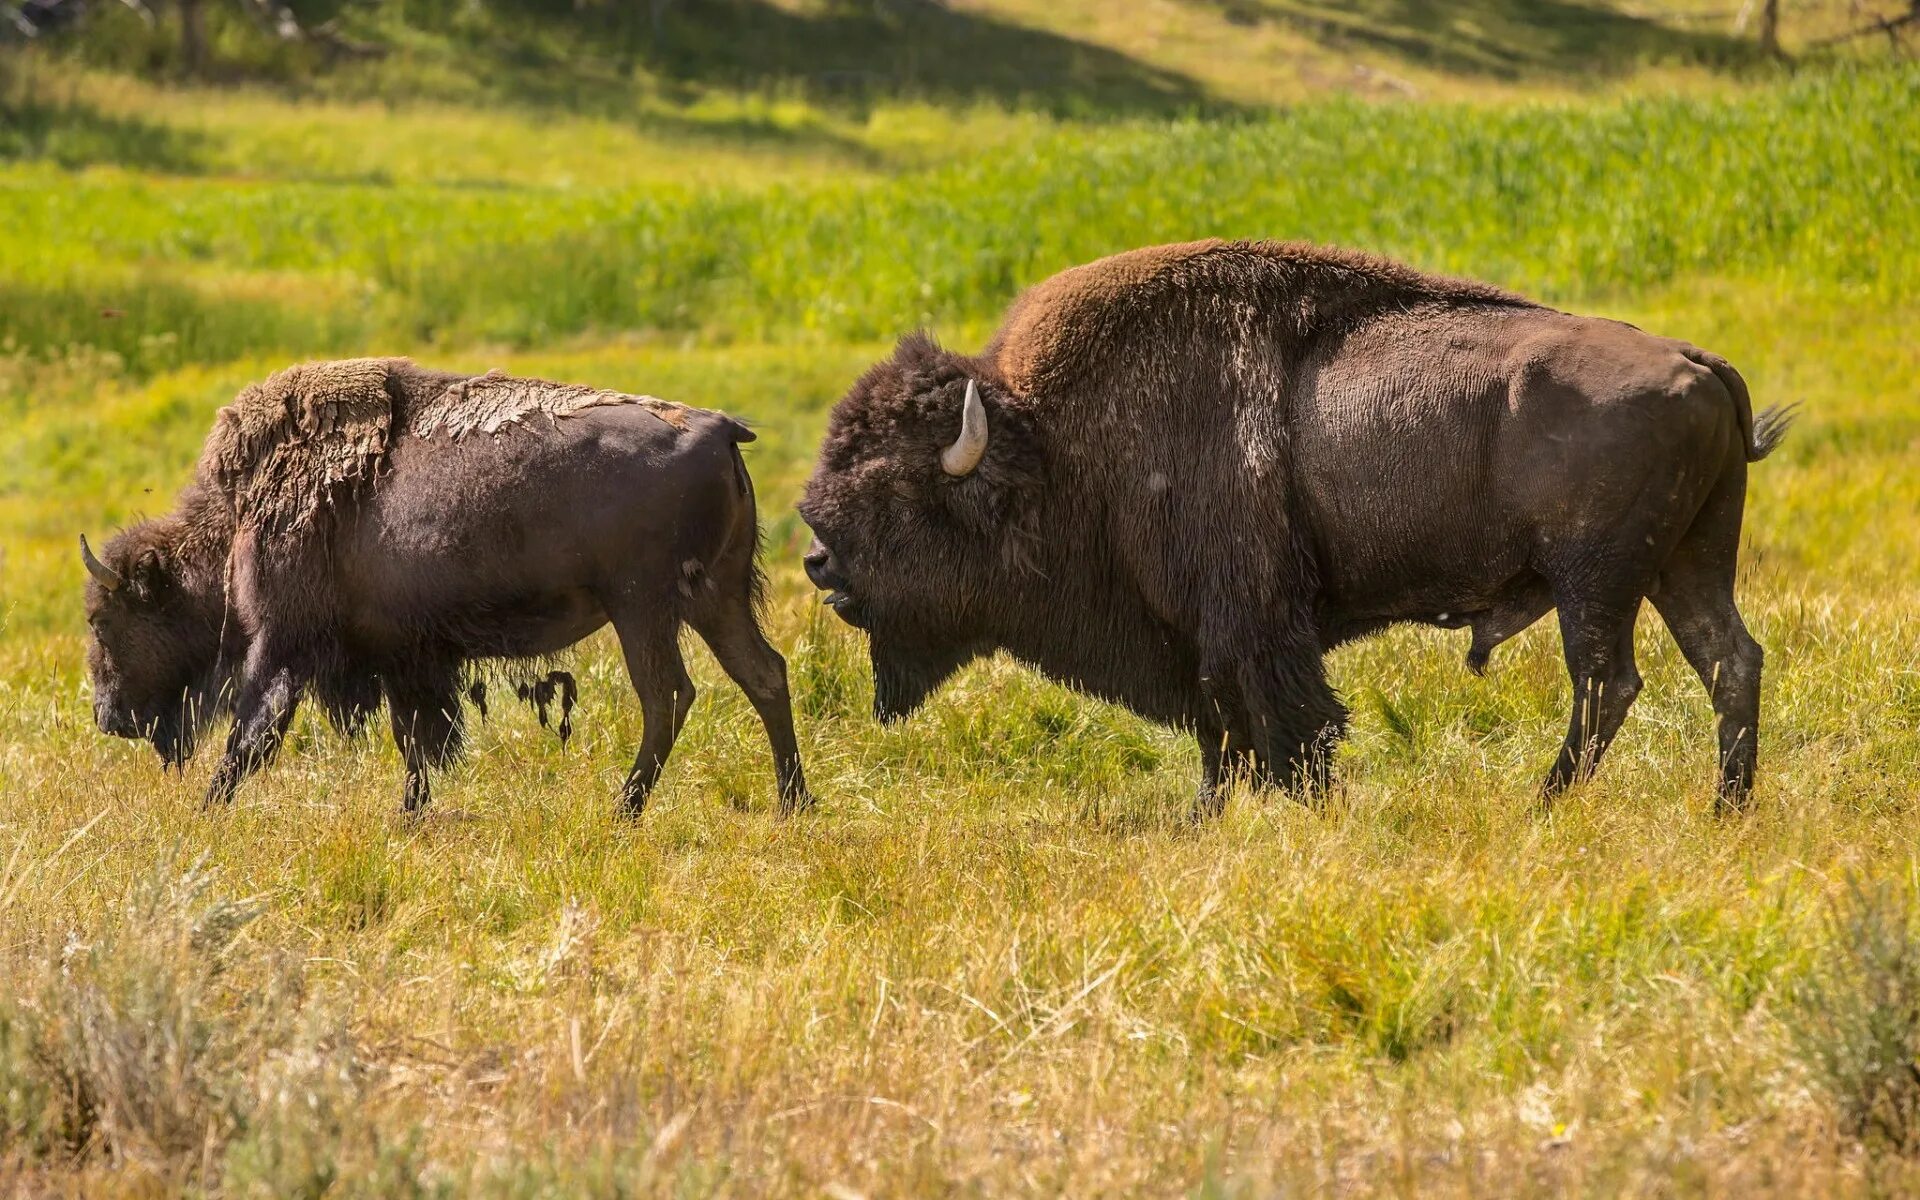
(283, 452)
(365, 530)
(1207, 463)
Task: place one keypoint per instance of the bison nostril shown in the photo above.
(819, 567)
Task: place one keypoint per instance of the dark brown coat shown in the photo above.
(365, 530)
(1206, 464)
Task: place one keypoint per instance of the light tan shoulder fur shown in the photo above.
(491, 402)
(1062, 321)
(281, 452)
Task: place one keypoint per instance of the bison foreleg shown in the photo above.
(1223, 763)
(1227, 757)
(1293, 719)
(270, 691)
(1231, 751)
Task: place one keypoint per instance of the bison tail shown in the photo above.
(756, 578)
(1769, 428)
(1763, 433)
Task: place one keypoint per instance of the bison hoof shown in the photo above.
(220, 791)
(1731, 800)
(416, 794)
(1208, 803)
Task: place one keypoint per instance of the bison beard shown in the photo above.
(365, 530)
(1176, 477)
(907, 671)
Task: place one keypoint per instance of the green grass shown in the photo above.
(997, 959)
(1810, 184)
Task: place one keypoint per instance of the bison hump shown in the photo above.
(282, 447)
(1050, 327)
(289, 446)
(1163, 298)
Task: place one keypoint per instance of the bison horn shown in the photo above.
(109, 578)
(970, 447)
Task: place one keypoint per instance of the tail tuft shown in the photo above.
(1769, 428)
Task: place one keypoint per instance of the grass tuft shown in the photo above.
(1858, 1022)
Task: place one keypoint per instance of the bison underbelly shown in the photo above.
(1495, 613)
(520, 626)
(540, 625)
(1436, 596)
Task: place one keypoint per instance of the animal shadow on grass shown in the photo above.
(858, 52)
(1159, 813)
(71, 134)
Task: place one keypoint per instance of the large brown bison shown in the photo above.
(1176, 477)
(367, 529)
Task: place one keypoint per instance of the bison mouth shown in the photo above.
(909, 663)
(846, 607)
(173, 740)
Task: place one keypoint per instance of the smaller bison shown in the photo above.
(365, 530)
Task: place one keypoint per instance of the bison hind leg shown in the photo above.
(1598, 639)
(731, 630)
(1695, 598)
(649, 633)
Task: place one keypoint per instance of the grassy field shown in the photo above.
(996, 959)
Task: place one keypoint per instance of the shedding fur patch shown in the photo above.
(286, 446)
(495, 400)
(281, 448)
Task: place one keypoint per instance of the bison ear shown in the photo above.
(148, 570)
(1003, 485)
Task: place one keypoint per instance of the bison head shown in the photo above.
(923, 510)
(154, 649)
